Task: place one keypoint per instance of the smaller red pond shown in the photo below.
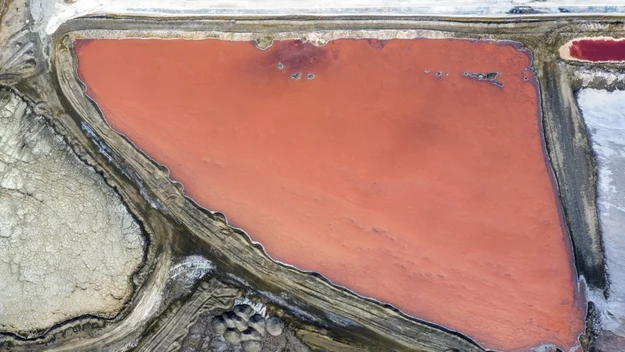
(603, 49)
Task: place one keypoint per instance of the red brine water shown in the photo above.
(381, 164)
(598, 49)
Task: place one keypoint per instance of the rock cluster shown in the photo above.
(243, 326)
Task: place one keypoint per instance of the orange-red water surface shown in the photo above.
(378, 164)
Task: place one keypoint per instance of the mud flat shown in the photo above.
(69, 246)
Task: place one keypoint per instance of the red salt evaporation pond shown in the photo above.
(429, 191)
(594, 49)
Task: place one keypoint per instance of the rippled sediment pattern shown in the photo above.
(604, 114)
(400, 169)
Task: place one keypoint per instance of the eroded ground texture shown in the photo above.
(410, 171)
(204, 323)
(68, 246)
(604, 114)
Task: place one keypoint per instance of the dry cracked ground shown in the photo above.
(68, 246)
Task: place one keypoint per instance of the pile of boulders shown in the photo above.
(242, 325)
